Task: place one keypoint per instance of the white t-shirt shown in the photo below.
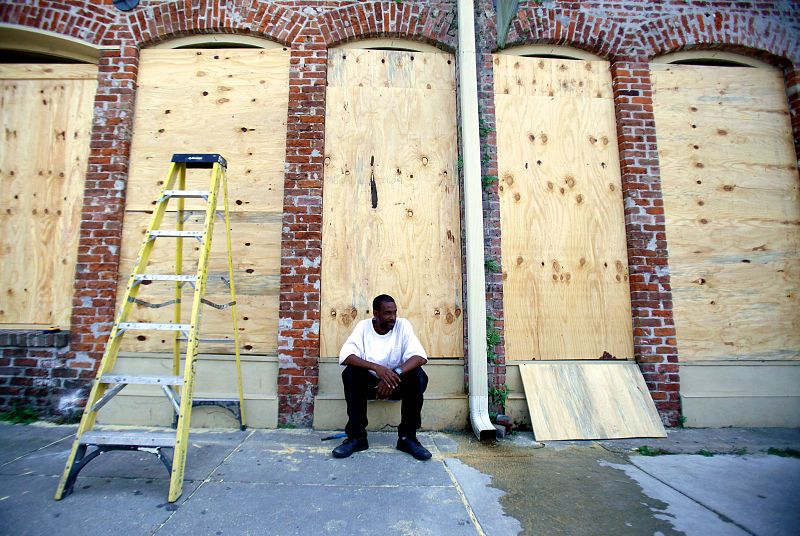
(390, 350)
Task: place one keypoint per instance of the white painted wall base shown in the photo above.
(144, 405)
(735, 393)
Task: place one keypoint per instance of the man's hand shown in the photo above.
(384, 391)
(389, 382)
(387, 376)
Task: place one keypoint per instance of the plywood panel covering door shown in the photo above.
(732, 204)
(46, 114)
(565, 270)
(228, 101)
(390, 210)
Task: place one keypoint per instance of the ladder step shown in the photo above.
(129, 439)
(177, 234)
(165, 277)
(187, 194)
(141, 380)
(153, 326)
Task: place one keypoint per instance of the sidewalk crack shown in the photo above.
(204, 481)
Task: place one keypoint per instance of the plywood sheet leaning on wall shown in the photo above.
(589, 400)
(391, 218)
(228, 101)
(565, 269)
(732, 205)
(46, 113)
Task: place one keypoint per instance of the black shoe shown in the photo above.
(350, 446)
(412, 446)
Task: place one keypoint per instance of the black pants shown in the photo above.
(360, 386)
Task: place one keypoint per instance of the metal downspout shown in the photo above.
(473, 223)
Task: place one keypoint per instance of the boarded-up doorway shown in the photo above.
(231, 101)
(732, 204)
(228, 101)
(46, 113)
(390, 211)
(565, 270)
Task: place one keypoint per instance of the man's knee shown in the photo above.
(357, 377)
(416, 380)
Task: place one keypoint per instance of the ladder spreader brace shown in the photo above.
(179, 389)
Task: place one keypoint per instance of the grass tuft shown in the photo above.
(784, 453)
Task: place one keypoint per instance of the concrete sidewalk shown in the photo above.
(286, 482)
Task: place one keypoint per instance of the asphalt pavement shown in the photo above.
(286, 482)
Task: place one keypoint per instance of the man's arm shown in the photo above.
(413, 362)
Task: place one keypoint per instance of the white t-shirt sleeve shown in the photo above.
(354, 344)
(411, 344)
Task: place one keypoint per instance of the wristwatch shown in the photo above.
(398, 371)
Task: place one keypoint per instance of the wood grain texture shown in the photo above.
(589, 400)
(47, 71)
(391, 122)
(732, 203)
(565, 270)
(228, 101)
(47, 124)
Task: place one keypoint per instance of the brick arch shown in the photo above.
(600, 36)
(56, 17)
(252, 17)
(751, 36)
(412, 21)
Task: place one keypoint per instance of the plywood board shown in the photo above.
(565, 291)
(390, 204)
(228, 101)
(47, 124)
(589, 400)
(256, 273)
(732, 203)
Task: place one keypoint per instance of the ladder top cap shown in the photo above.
(194, 160)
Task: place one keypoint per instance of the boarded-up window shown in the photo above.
(730, 183)
(46, 112)
(565, 271)
(391, 216)
(228, 101)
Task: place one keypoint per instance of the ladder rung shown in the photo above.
(201, 400)
(153, 326)
(165, 277)
(187, 194)
(132, 439)
(177, 234)
(141, 380)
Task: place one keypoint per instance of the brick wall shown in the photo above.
(628, 33)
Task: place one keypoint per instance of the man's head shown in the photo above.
(384, 312)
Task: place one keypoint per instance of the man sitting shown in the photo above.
(383, 359)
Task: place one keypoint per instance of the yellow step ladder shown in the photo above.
(178, 389)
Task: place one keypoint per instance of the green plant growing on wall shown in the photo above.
(492, 339)
(499, 396)
(488, 180)
(492, 266)
(483, 128)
